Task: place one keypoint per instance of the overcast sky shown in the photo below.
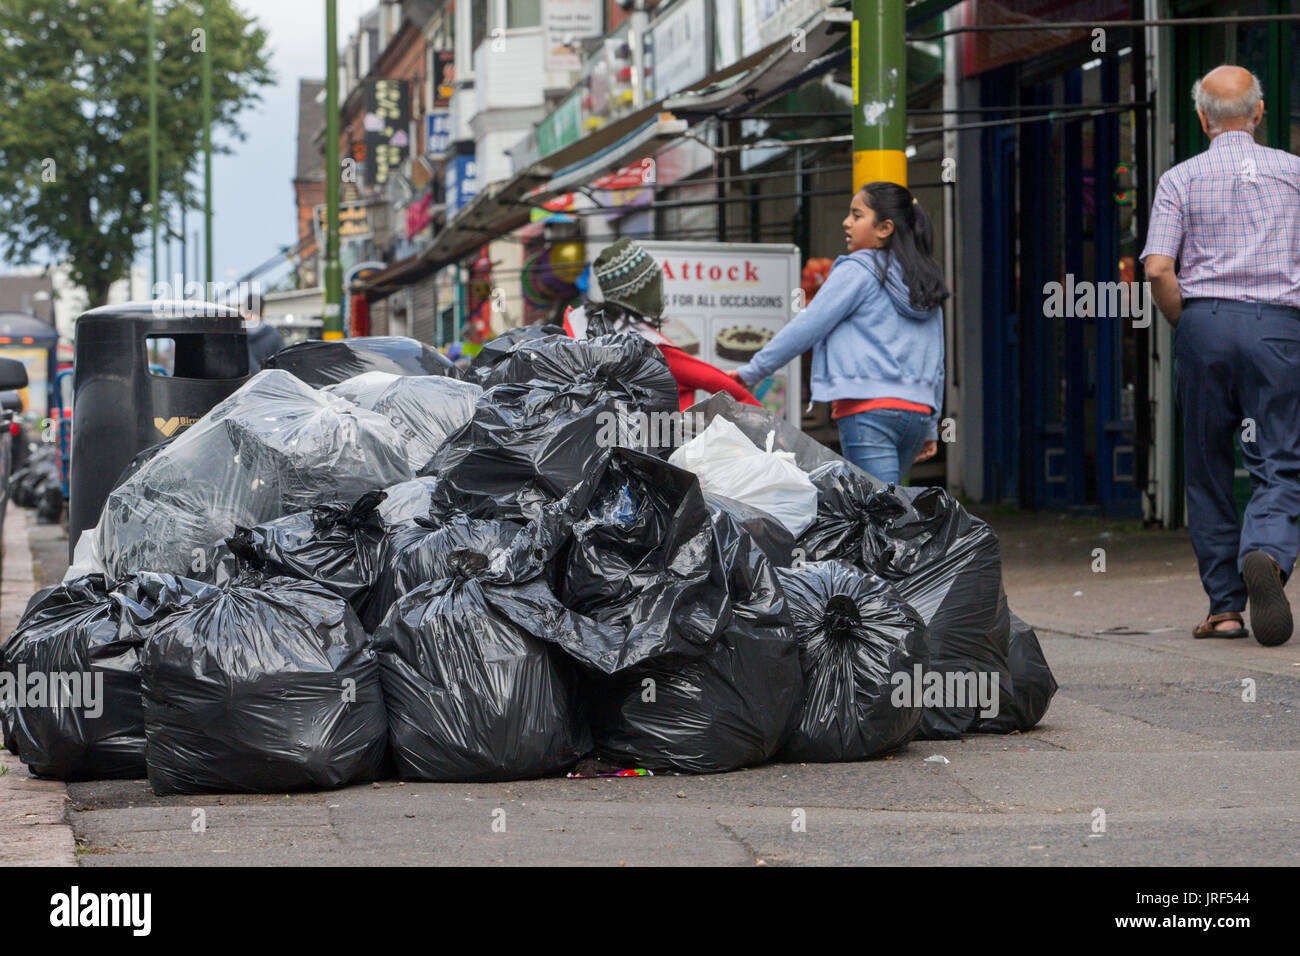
(253, 208)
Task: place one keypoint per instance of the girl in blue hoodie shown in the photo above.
(876, 331)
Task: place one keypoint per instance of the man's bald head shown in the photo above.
(1228, 98)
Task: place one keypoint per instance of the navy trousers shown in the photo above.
(1238, 380)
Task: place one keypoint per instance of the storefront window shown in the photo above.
(478, 22)
(521, 14)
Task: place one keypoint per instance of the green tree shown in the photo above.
(74, 130)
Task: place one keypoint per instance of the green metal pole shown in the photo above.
(879, 92)
(207, 143)
(152, 43)
(333, 327)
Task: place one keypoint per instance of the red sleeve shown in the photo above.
(692, 373)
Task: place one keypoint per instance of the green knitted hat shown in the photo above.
(627, 275)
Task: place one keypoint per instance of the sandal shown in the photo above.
(1207, 628)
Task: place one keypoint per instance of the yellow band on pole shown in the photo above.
(331, 336)
(879, 165)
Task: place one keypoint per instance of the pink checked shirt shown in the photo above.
(1231, 216)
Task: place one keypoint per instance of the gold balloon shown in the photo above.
(568, 260)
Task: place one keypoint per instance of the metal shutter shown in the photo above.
(423, 317)
(379, 317)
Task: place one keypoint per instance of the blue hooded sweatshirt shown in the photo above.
(868, 340)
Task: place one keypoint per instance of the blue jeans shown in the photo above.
(1238, 376)
(883, 441)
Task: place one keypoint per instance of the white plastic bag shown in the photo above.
(86, 558)
(729, 464)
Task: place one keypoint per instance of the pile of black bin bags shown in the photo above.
(348, 569)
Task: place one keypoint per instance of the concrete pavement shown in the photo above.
(1149, 755)
(33, 813)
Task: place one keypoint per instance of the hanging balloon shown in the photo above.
(550, 283)
(528, 282)
(584, 280)
(568, 259)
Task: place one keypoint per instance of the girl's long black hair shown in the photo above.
(912, 242)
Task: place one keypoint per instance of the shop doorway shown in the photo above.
(1060, 217)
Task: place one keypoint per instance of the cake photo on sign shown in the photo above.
(740, 343)
(681, 335)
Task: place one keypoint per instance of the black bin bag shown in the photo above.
(78, 646)
(855, 634)
(772, 537)
(49, 500)
(526, 448)
(418, 551)
(8, 739)
(842, 493)
(948, 566)
(625, 366)
(335, 544)
(261, 685)
(7, 702)
(643, 559)
(497, 349)
(477, 674)
(321, 363)
(732, 707)
(1032, 683)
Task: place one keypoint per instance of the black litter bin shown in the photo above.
(120, 406)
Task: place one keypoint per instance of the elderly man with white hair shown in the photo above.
(1231, 218)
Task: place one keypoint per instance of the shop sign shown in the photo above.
(462, 183)
(444, 78)
(354, 222)
(553, 210)
(631, 176)
(564, 23)
(386, 120)
(725, 301)
(777, 19)
(676, 43)
(986, 50)
(562, 127)
(437, 131)
(419, 215)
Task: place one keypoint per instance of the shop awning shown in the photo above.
(772, 73)
(395, 278)
(503, 206)
(301, 303)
